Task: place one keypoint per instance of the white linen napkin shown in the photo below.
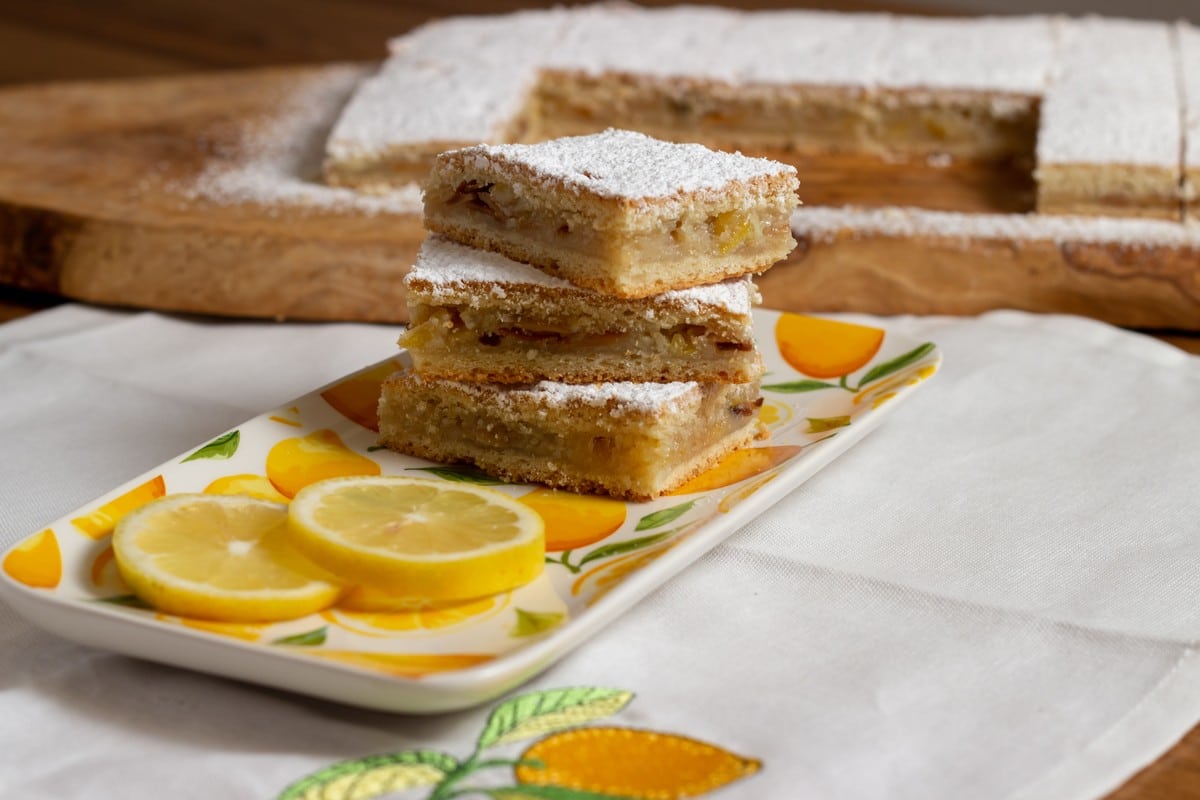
(992, 596)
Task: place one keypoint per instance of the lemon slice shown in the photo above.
(217, 557)
(432, 541)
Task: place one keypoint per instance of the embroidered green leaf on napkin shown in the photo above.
(531, 623)
(620, 548)
(537, 713)
(822, 424)
(794, 387)
(896, 364)
(462, 474)
(311, 638)
(664, 516)
(220, 448)
(372, 776)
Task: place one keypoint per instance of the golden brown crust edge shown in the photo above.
(532, 473)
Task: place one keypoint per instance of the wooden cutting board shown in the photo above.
(106, 196)
(98, 201)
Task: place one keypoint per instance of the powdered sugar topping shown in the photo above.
(452, 269)
(1115, 97)
(278, 164)
(619, 399)
(628, 165)
(624, 396)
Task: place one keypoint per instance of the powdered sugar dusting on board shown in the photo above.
(627, 165)
(451, 268)
(278, 163)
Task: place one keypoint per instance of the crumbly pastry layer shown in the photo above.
(478, 316)
(630, 440)
(617, 211)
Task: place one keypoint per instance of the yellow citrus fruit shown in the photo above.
(36, 562)
(100, 522)
(357, 397)
(430, 540)
(825, 348)
(631, 763)
(218, 557)
(252, 485)
(738, 466)
(294, 463)
(575, 520)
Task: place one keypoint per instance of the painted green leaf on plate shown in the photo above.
(822, 424)
(220, 448)
(664, 516)
(462, 474)
(532, 623)
(311, 638)
(619, 548)
(795, 387)
(896, 364)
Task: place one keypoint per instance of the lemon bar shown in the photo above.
(618, 211)
(630, 440)
(1112, 129)
(479, 316)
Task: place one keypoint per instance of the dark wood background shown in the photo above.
(53, 40)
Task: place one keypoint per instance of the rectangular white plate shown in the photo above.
(63, 578)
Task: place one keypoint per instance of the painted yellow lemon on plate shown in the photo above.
(575, 520)
(825, 348)
(218, 557)
(294, 463)
(430, 540)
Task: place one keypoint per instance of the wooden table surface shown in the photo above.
(53, 40)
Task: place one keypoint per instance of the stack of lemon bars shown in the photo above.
(580, 314)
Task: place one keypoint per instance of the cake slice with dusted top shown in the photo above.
(618, 212)
(480, 316)
(630, 440)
